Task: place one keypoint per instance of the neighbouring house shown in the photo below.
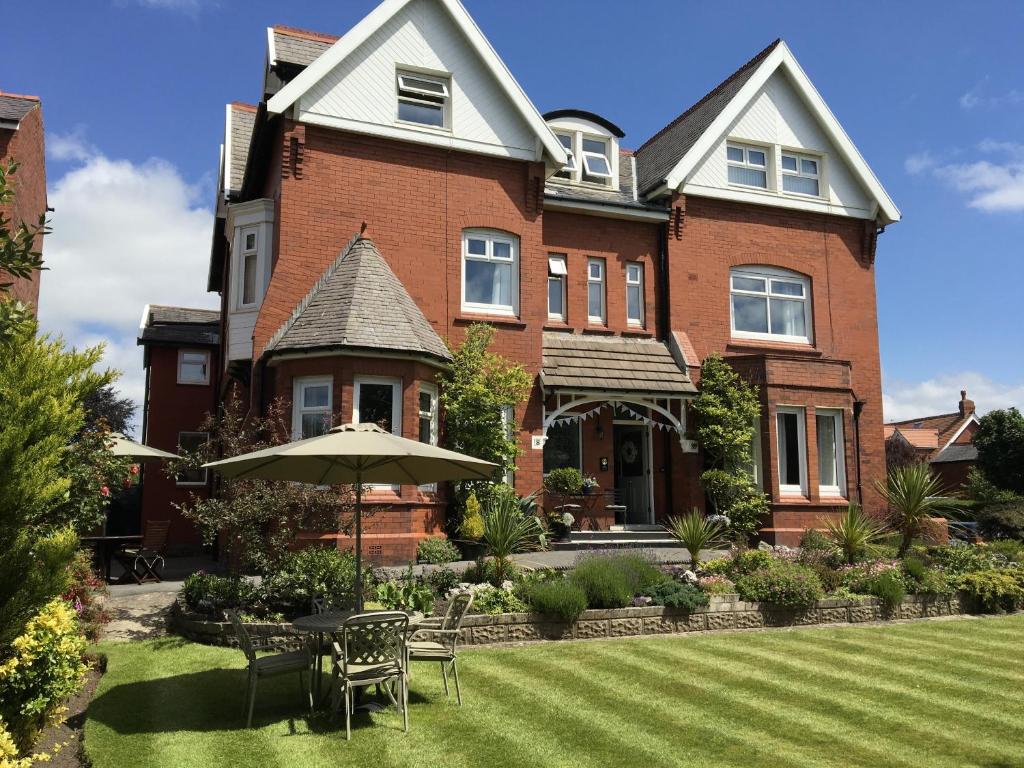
(22, 140)
(396, 184)
(181, 355)
(945, 441)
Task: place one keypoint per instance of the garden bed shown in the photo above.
(722, 614)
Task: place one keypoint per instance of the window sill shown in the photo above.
(505, 320)
(599, 330)
(637, 332)
(774, 346)
(554, 325)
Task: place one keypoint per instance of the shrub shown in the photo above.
(748, 561)
(697, 533)
(472, 526)
(995, 590)
(210, 594)
(859, 577)
(830, 578)
(558, 598)
(855, 533)
(493, 600)
(716, 585)
(442, 581)
(406, 594)
(46, 667)
(605, 585)
(565, 480)
(436, 551)
(887, 587)
(1005, 520)
(816, 547)
(308, 573)
(786, 584)
(1010, 550)
(958, 560)
(507, 531)
(914, 496)
(85, 596)
(719, 566)
(675, 595)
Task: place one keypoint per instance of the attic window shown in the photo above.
(569, 169)
(597, 167)
(423, 100)
(800, 174)
(748, 166)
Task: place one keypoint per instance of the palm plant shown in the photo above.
(507, 531)
(697, 533)
(855, 533)
(913, 495)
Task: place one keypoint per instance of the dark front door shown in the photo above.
(632, 468)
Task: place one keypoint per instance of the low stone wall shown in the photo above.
(722, 613)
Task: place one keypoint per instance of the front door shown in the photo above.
(632, 472)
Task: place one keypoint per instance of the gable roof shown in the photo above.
(240, 120)
(922, 439)
(179, 325)
(14, 107)
(359, 303)
(671, 154)
(370, 24)
(660, 153)
(946, 426)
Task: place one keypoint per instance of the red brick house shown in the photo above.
(396, 184)
(181, 355)
(945, 441)
(21, 139)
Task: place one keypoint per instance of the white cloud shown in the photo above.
(70, 146)
(978, 97)
(906, 400)
(991, 186)
(124, 235)
(190, 7)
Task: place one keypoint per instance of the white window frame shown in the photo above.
(636, 283)
(557, 272)
(411, 94)
(396, 411)
(571, 168)
(836, 414)
(206, 472)
(508, 420)
(491, 236)
(206, 367)
(244, 253)
(799, 172)
(587, 154)
(434, 414)
(600, 280)
(768, 274)
(756, 460)
(298, 410)
(747, 165)
(801, 430)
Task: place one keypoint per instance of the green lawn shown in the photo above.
(931, 694)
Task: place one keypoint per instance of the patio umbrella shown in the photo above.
(355, 454)
(122, 446)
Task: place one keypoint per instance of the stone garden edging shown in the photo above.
(722, 614)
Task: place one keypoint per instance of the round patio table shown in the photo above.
(329, 622)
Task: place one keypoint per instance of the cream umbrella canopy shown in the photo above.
(355, 454)
(121, 446)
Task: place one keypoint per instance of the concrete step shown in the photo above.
(580, 540)
(651, 534)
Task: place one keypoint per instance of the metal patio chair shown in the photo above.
(267, 666)
(140, 562)
(442, 647)
(370, 650)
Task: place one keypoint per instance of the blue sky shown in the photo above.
(134, 94)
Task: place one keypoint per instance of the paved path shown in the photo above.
(139, 616)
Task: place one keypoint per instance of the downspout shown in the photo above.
(661, 285)
(858, 407)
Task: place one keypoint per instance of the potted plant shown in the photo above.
(471, 529)
(564, 481)
(561, 525)
(590, 485)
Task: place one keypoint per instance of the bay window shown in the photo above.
(249, 268)
(490, 272)
(770, 304)
(792, 451)
(831, 452)
(378, 401)
(595, 291)
(311, 406)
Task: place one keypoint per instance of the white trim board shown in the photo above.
(370, 24)
(973, 417)
(782, 58)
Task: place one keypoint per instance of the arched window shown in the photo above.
(770, 303)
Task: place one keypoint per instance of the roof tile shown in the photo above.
(612, 364)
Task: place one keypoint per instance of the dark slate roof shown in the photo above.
(611, 364)
(180, 325)
(591, 116)
(623, 196)
(13, 108)
(661, 152)
(299, 46)
(359, 303)
(243, 118)
(957, 452)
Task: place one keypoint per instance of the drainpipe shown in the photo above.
(858, 407)
(663, 332)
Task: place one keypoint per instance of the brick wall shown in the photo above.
(26, 145)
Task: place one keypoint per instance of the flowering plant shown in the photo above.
(589, 483)
(716, 585)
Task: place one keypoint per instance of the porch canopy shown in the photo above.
(630, 375)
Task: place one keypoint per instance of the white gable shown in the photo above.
(778, 118)
(353, 85)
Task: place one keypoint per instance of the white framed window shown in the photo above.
(792, 449)
(557, 274)
(756, 466)
(508, 420)
(193, 366)
(562, 446)
(428, 414)
(378, 400)
(801, 174)
(595, 291)
(423, 99)
(569, 169)
(312, 407)
(490, 272)
(249, 263)
(189, 442)
(748, 165)
(769, 303)
(597, 164)
(635, 293)
(831, 452)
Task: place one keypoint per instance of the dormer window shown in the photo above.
(423, 99)
(591, 146)
(800, 174)
(569, 169)
(748, 165)
(597, 167)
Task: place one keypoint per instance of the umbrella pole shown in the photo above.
(359, 542)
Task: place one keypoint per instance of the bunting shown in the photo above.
(576, 418)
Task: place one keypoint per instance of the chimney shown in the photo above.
(966, 406)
